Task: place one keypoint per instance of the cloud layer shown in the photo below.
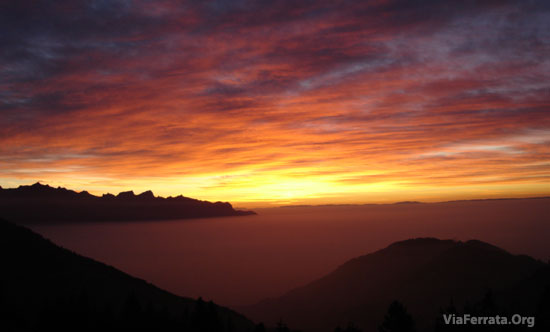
(321, 101)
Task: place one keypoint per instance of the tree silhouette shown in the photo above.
(281, 326)
(260, 328)
(440, 325)
(397, 319)
(487, 306)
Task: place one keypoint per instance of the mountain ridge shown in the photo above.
(423, 273)
(43, 203)
(409, 202)
(42, 283)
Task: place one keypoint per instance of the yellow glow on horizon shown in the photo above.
(250, 190)
(323, 107)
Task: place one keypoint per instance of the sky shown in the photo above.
(278, 102)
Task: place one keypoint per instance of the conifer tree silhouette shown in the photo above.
(397, 319)
(281, 326)
(260, 328)
(440, 325)
(487, 306)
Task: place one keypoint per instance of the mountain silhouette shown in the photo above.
(424, 274)
(46, 287)
(41, 203)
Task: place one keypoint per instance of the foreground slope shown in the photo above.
(42, 203)
(44, 286)
(424, 274)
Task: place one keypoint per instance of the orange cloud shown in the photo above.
(332, 102)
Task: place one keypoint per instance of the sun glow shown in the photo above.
(316, 108)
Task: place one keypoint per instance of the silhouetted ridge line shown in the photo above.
(44, 287)
(413, 203)
(423, 241)
(43, 203)
(424, 275)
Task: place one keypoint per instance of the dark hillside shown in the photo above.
(44, 286)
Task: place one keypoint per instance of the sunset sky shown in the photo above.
(278, 102)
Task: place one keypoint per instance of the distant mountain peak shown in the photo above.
(37, 185)
(126, 194)
(146, 194)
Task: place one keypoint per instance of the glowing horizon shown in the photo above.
(260, 105)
